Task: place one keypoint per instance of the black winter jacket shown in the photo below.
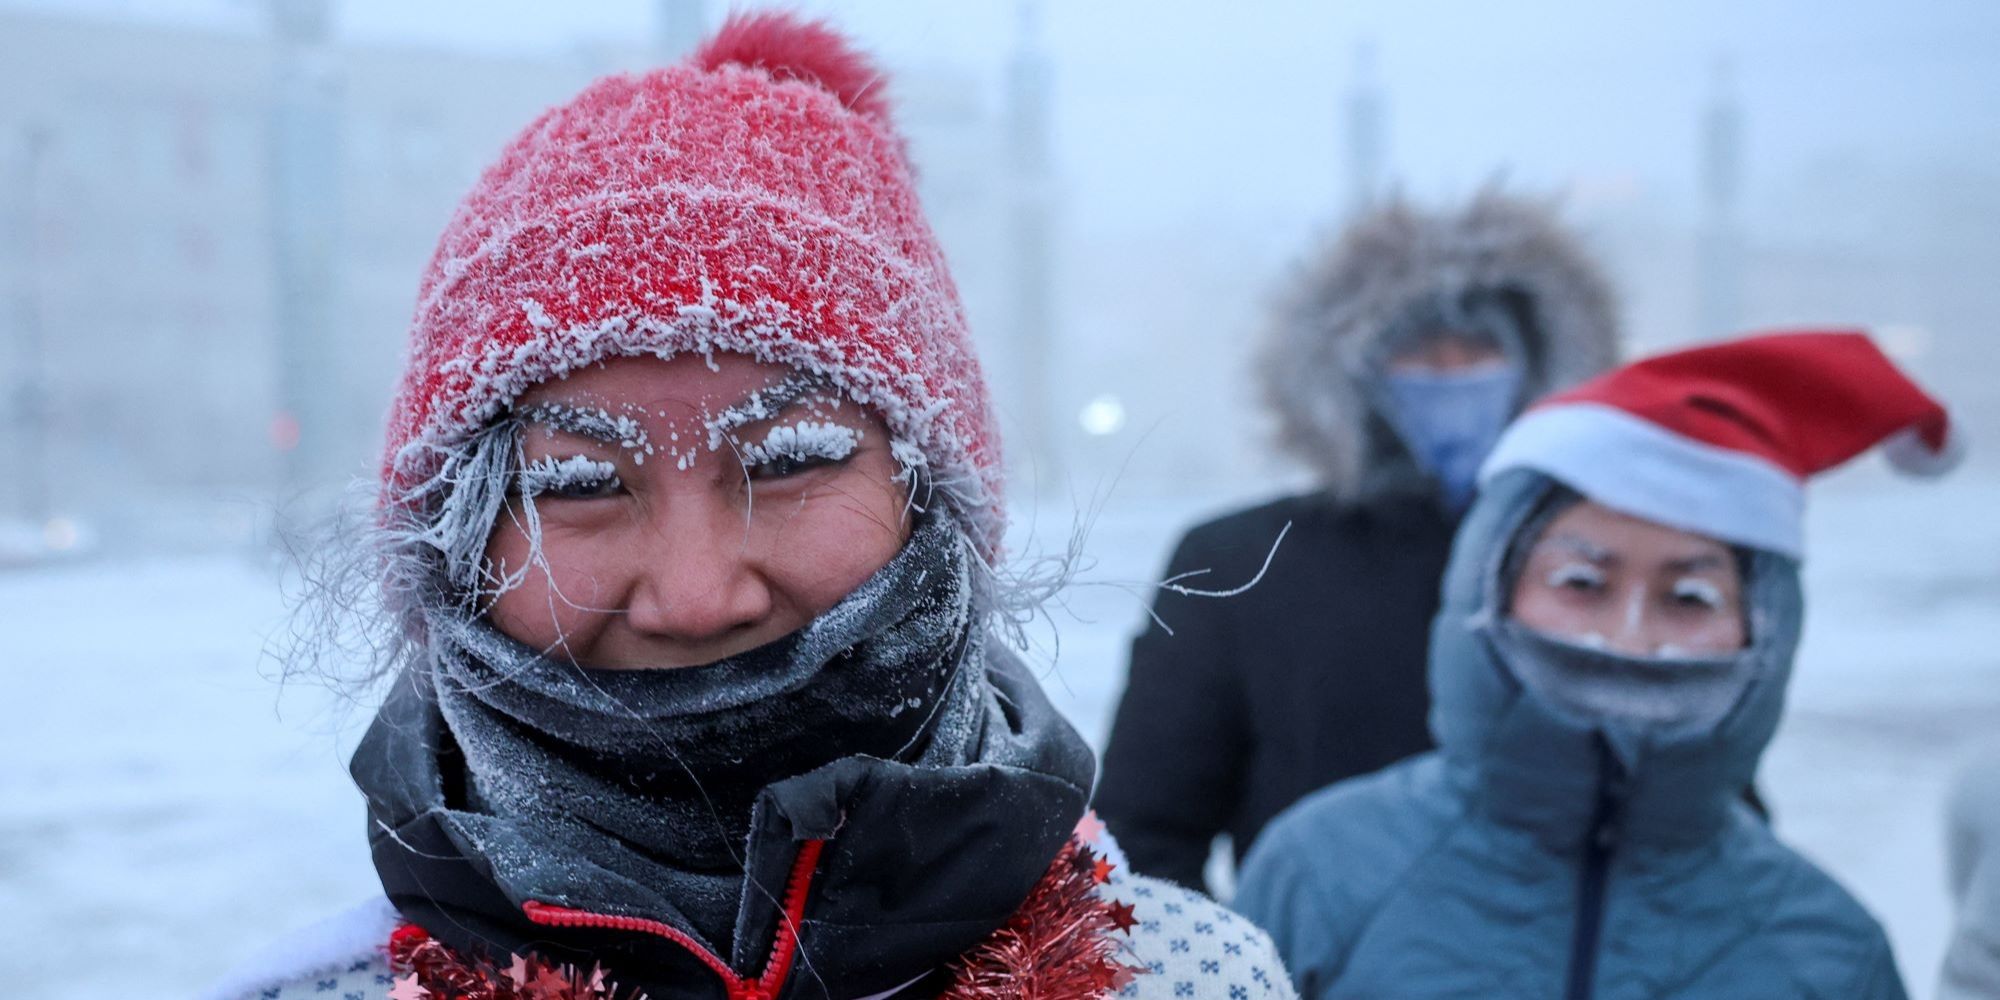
(1314, 675)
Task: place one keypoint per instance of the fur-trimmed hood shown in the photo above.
(1346, 294)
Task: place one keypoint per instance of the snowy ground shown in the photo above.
(163, 809)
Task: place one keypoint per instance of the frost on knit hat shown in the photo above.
(1721, 439)
(756, 199)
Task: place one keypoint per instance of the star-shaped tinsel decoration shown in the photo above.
(428, 970)
(1082, 861)
(1122, 917)
(1089, 829)
(1102, 978)
(1060, 942)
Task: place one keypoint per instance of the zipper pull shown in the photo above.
(1606, 835)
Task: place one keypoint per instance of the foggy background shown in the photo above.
(213, 216)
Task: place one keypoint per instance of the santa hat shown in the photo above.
(756, 199)
(1719, 440)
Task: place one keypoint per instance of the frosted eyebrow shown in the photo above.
(762, 404)
(586, 421)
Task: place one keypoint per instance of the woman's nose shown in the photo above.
(696, 578)
(1633, 631)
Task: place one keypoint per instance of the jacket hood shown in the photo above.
(1344, 297)
(1530, 764)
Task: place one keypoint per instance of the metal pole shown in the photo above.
(1367, 133)
(1720, 241)
(305, 212)
(1029, 93)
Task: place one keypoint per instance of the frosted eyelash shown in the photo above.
(763, 404)
(803, 440)
(549, 474)
(1707, 593)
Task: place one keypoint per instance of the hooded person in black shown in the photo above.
(1394, 360)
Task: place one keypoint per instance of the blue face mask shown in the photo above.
(1450, 420)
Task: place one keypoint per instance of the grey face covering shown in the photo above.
(1597, 685)
(652, 773)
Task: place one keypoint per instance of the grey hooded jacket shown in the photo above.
(1535, 855)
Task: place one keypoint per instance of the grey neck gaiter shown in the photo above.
(1595, 685)
(657, 769)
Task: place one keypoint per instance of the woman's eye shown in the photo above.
(791, 449)
(1577, 578)
(585, 490)
(577, 478)
(1697, 594)
(780, 466)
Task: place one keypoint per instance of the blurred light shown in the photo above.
(61, 534)
(284, 431)
(1103, 415)
(1903, 341)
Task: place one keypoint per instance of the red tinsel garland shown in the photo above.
(428, 970)
(1057, 946)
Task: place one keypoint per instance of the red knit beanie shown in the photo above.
(756, 199)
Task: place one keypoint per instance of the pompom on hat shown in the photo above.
(1720, 439)
(755, 199)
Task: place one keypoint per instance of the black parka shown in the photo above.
(1313, 675)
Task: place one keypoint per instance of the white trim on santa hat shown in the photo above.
(1908, 454)
(1640, 468)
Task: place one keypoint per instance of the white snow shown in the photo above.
(165, 811)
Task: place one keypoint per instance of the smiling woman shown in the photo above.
(687, 552)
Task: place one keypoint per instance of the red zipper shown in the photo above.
(784, 947)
